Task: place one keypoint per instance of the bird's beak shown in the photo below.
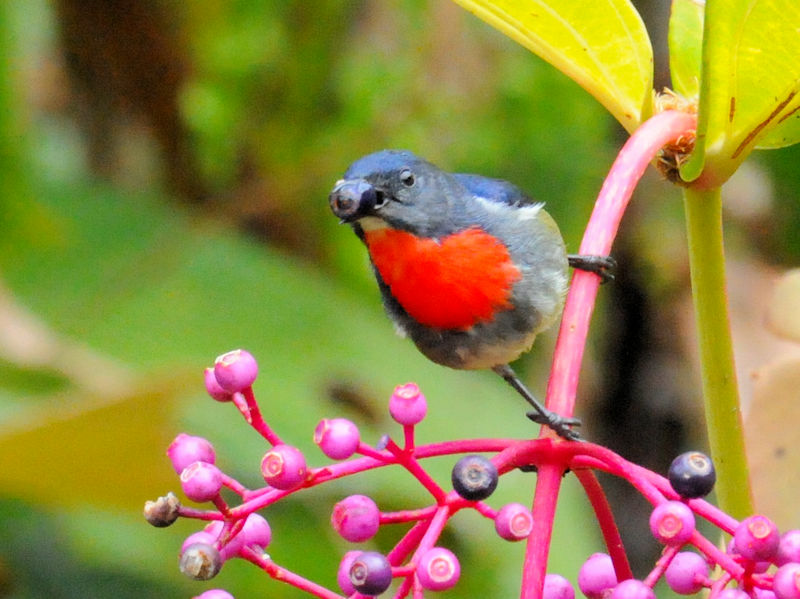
(352, 198)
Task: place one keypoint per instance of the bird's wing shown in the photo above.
(494, 190)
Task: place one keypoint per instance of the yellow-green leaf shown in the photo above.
(686, 46)
(749, 86)
(602, 45)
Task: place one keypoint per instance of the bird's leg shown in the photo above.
(540, 414)
(602, 266)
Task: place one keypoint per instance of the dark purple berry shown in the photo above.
(474, 477)
(687, 573)
(356, 518)
(672, 523)
(200, 561)
(692, 474)
(597, 576)
(557, 587)
(370, 573)
(163, 511)
(632, 589)
(438, 569)
(756, 538)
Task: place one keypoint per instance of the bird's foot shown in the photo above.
(559, 424)
(602, 266)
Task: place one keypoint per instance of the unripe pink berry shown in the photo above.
(786, 584)
(732, 594)
(235, 370)
(284, 467)
(756, 538)
(513, 522)
(597, 576)
(343, 574)
(256, 531)
(201, 536)
(213, 388)
(338, 438)
(438, 569)
(186, 449)
(788, 548)
(407, 405)
(687, 573)
(356, 518)
(557, 587)
(201, 481)
(632, 589)
(672, 523)
(214, 594)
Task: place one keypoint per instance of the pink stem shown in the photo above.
(279, 573)
(617, 189)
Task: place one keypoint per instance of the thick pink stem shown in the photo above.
(617, 189)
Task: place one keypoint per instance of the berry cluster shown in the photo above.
(758, 560)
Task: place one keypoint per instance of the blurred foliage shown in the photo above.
(146, 233)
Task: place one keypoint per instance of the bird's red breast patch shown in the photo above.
(452, 283)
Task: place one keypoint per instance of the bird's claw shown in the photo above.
(602, 266)
(559, 424)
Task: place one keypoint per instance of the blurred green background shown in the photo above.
(164, 170)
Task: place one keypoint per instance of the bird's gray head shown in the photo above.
(398, 188)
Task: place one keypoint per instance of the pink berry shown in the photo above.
(687, 573)
(235, 370)
(756, 538)
(513, 522)
(343, 574)
(201, 536)
(788, 548)
(632, 589)
(284, 467)
(597, 576)
(407, 405)
(732, 594)
(186, 449)
(200, 561)
(256, 531)
(338, 438)
(557, 587)
(438, 569)
(201, 481)
(672, 523)
(213, 388)
(370, 573)
(786, 584)
(356, 518)
(214, 594)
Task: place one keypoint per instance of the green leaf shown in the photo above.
(686, 46)
(602, 45)
(749, 85)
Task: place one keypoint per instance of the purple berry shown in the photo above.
(672, 523)
(632, 589)
(438, 569)
(343, 574)
(200, 561)
(201, 481)
(214, 594)
(756, 538)
(687, 573)
(356, 518)
(338, 438)
(597, 576)
(692, 474)
(513, 522)
(557, 587)
(474, 477)
(236, 370)
(788, 548)
(370, 573)
(284, 467)
(407, 405)
(786, 584)
(186, 449)
(163, 511)
(213, 388)
(732, 594)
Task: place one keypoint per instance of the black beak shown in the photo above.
(352, 198)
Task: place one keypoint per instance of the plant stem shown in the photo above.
(720, 392)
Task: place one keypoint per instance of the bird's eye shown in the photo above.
(407, 177)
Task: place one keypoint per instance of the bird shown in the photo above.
(469, 267)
